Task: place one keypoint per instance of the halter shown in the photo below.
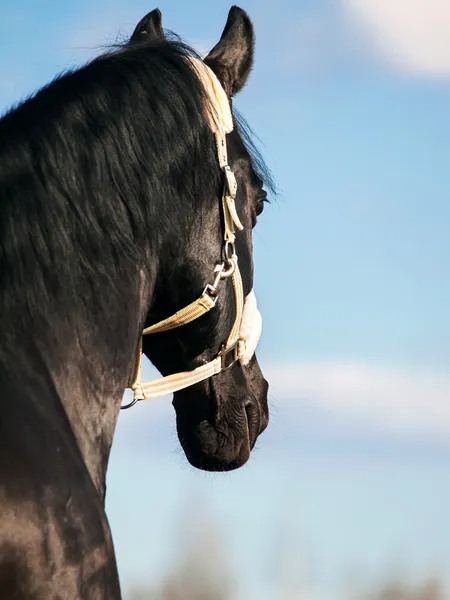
(243, 338)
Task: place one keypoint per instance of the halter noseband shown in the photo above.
(241, 342)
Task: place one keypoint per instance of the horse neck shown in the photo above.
(73, 380)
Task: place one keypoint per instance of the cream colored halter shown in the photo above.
(246, 330)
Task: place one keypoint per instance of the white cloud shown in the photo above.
(407, 36)
(400, 400)
(411, 35)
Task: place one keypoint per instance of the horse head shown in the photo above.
(219, 418)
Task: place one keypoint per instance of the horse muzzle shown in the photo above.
(218, 423)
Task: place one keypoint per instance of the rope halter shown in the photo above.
(243, 338)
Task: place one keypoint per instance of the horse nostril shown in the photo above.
(257, 419)
(252, 413)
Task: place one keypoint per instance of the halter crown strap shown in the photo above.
(220, 119)
(219, 115)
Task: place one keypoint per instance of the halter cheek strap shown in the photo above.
(241, 342)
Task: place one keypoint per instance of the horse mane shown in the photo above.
(92, 169)
(86, 164)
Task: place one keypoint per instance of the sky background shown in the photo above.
(350, 484)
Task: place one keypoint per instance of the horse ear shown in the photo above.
(148, 28)
(232, 58)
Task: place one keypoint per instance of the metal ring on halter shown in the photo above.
(129, 405)
(228, 272)
(229, 251)
(230, 259)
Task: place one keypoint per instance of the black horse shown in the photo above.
(110, 220)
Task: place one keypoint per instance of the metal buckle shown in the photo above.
(211, 288)
(211, 291)
(228, 272)
(231, 182)
(225, 352)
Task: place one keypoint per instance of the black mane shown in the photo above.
(85, 165)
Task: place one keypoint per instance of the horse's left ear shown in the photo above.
(148, 28)
(232, 58)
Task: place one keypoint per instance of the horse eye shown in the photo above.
(259, 207)
(261, 199)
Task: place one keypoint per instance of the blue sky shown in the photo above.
(350, 100)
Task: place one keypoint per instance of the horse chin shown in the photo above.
(217, 448)
(218, 431)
